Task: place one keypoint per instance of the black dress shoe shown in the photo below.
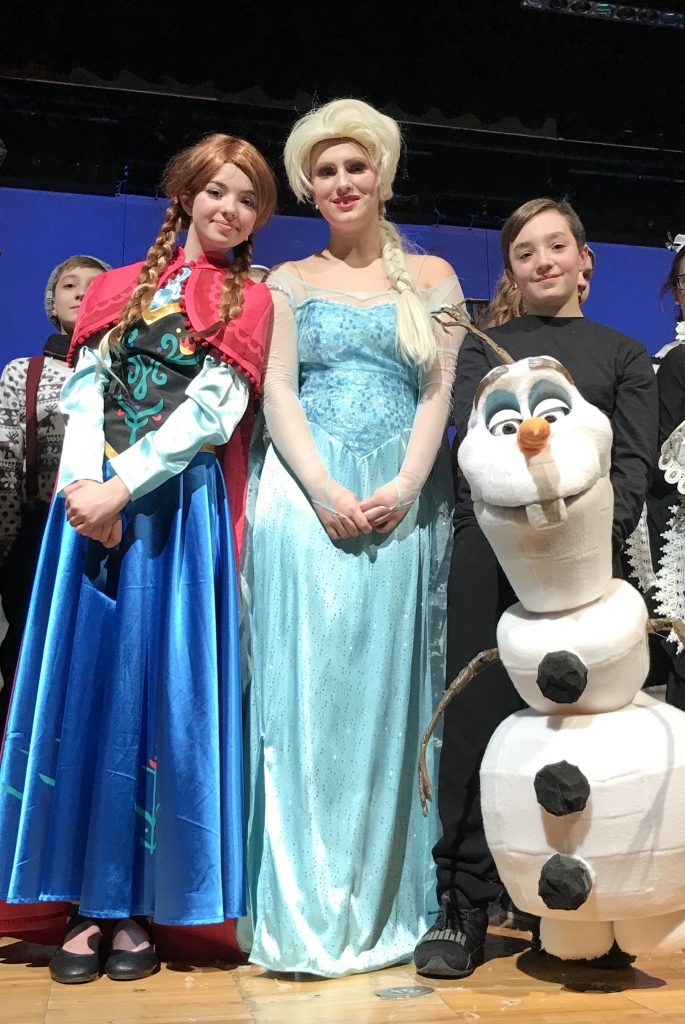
(74, 968)
(123, 965)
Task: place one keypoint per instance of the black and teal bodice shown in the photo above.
(150, 373)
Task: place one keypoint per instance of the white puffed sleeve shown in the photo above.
(81, 405)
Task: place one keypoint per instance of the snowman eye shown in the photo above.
(549, 400)
(552, 409)
(504, 421)
(502, 412)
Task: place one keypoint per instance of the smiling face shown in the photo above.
(344, 183)
(223, 213)
(546, 264)
(68, 294)
(532, 437)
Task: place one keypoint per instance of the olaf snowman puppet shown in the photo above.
(583, 792)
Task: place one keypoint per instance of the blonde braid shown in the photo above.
(414, 331)
(159, 257)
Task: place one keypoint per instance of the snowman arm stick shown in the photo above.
(468, 673)
(455, 315)
(677, 625)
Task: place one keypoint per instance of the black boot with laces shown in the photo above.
(453, 947)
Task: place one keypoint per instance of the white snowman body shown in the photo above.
(583, 793)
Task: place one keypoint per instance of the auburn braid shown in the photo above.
(159, 257)
(232, 289)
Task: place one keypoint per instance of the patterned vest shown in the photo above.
(149, 376)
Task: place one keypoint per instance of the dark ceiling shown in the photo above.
(498, 103)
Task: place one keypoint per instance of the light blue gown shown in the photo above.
(347, 643)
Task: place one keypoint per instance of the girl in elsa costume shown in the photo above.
(121, 775)
(349, 554)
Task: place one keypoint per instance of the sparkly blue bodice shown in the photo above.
(353, 382)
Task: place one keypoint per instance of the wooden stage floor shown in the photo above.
(514, 984)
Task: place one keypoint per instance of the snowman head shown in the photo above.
(532, 439)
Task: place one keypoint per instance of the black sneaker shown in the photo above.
(453, 947)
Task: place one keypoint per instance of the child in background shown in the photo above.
(31, 434)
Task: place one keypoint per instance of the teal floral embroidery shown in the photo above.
(137, 419)
(145, 375)
(149, 840)
(179, 349)
(169, 345)
(139, 370)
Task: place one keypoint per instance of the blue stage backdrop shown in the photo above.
(39, 229)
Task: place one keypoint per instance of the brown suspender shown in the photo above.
(35, 369)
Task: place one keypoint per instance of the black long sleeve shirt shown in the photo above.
(671, 381)
(611, 370)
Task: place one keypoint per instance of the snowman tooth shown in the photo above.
(546, 513)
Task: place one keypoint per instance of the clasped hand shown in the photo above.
(93, 509)
(347, 516)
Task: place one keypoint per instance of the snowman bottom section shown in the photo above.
(585, 818)
(660, 935)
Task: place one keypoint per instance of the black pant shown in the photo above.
(478, 593)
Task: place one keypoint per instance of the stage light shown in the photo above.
(626, 13)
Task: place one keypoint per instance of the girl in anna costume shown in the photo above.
(121, 780)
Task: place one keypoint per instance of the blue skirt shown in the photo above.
(121, 775)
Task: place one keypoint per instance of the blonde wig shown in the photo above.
(187, 173)
(380, 137)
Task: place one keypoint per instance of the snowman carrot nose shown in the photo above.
(533, 434)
